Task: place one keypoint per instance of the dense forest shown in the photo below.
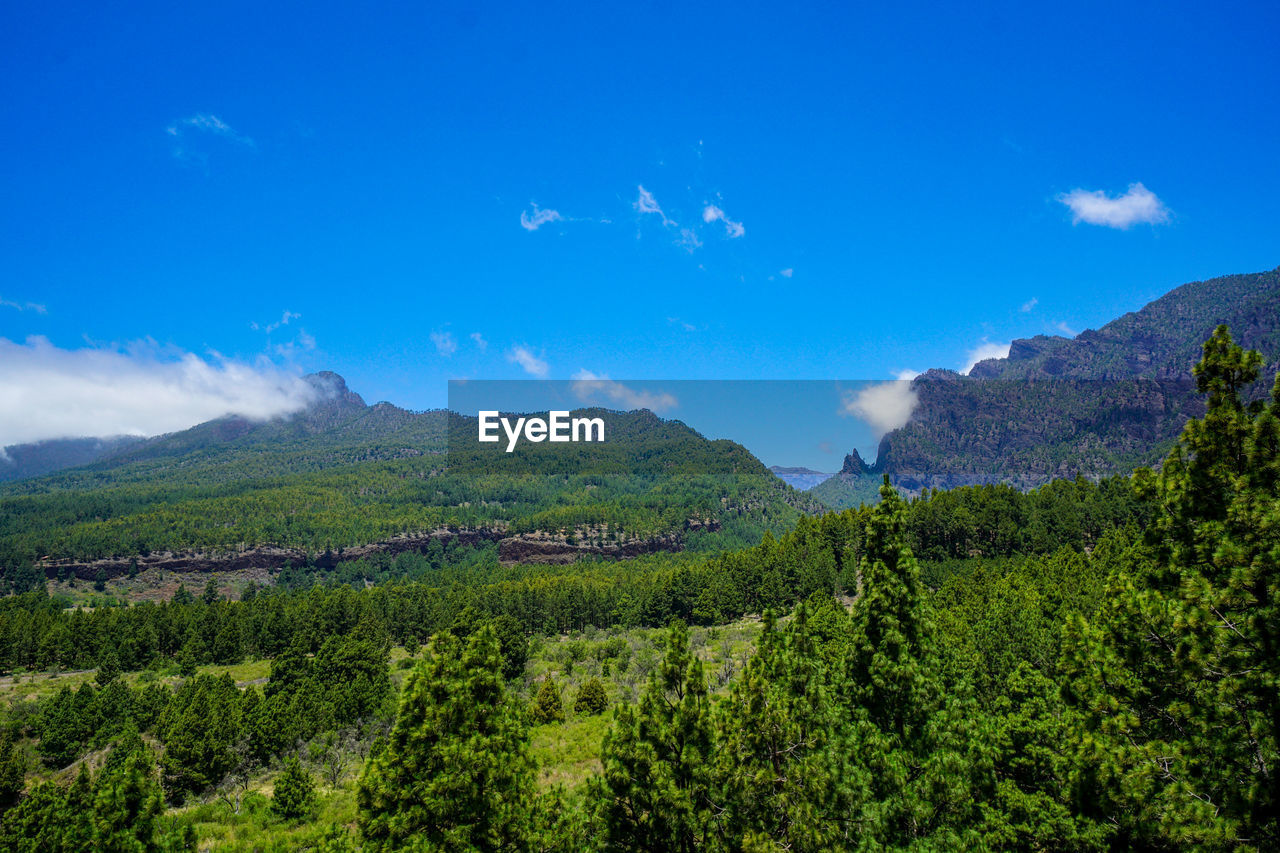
(1084, 666)
(332, 480)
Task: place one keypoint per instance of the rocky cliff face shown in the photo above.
(1099, 404)
(1159, 341)
(537, 547)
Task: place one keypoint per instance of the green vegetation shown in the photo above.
(1083, 667)
(319, 493)
(1096, 405)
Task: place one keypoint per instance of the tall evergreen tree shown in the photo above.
(455, 772)
(125, 806)
(783, 749)
(547, 706)
(655, 789)
(911, 735)
(1181, 670)
(295, 791)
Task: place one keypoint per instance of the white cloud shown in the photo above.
(589, 387)
(648, 204)
(884, 407)
(532, 365)
(532, 221)
(1137, 205)
(689, 240)
(711, 213)
(288, 350)
(1029, 304)
(445, 344)
(676, 321)
(208, 123)
(982, 352)
(1061, 326)
(202, 123)
(283, 321)
(787, 273)
(480, 341)
(24, 306)
(906, 375)
(49, 392)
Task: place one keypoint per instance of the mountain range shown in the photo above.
(1101, 403)
(345, 474)
(800, 478)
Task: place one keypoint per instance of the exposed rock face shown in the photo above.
(855, 466)
(512, 548)
(262, 557)
(539, 549)
(1098, 404)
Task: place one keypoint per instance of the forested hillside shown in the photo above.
(1095, 405)
(1081, 667)
(342, 475)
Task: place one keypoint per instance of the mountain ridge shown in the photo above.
(1101, 403)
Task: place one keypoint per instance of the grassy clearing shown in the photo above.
(35, 685)
(567, 753)
(257, 828)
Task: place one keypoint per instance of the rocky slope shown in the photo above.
(1101, 403)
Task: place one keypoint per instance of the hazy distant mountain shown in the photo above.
(1101, 403)
(337, 428)
(20, 461)
(799, 478)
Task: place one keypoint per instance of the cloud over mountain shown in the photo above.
(50, 392)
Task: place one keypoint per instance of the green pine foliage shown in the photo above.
(655, 789)
(782, 768)
(591, 699)
(1084, 667)
(455, 771)
(294, 796)
(1179, 671)
(548, 706)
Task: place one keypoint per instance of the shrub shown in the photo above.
(295, 793)
(548, 707)
(591, 698)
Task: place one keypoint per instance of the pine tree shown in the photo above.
(295, 792)
(36, 823)
(199, 729)
(13, 768)
(1034, 744)
(126, 803)
(455, 771)
(547, 706)
(514, 645)
(1181, 669)
(783, 748)
(655, 789)
(592, 698)
(210, 596)
(76, 823)
(910, 734)
(108, 667)
(66, 723)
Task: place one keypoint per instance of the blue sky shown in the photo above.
(179, 181)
